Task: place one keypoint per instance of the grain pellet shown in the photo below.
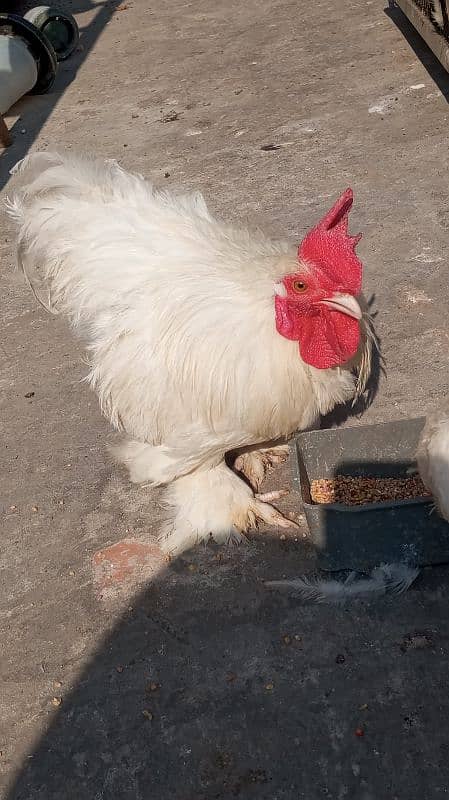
(357, 491)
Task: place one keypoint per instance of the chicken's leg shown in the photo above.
(215, 503)
(254, 464)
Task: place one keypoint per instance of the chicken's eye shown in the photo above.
(299, 286)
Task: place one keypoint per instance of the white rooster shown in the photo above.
(203, 339)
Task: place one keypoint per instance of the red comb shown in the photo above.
(329, 247)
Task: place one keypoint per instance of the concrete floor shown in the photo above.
(122, 676)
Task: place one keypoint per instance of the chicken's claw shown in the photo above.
(254, 464)
(267, 513)
(237, 538)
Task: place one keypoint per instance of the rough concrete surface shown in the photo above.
(123, 676)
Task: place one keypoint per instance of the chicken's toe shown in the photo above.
(254, 464)
(270, 497)
(270, 515)
(276, 455)
(236, 538)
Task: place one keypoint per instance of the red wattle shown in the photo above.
(327, 338)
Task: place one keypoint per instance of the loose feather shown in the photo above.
(387, 579)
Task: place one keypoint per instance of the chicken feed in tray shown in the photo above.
(353, 490)
(369, 528)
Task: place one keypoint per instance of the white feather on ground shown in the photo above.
(387, 579)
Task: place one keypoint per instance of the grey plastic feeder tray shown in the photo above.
(362, 537)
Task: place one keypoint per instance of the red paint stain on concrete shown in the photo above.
(126, 563)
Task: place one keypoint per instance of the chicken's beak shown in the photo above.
(345, 303)
(280, 289)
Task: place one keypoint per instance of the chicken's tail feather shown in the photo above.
(53, 199)
(46, 304)
(33, 164)
(65, 174)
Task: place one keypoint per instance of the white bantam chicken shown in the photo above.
(204, 339)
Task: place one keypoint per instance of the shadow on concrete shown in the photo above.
(35, 110)
(211, 687)
(421, 50)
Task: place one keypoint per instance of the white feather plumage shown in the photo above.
(176, 310)
(433, 457)
(387, 579)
